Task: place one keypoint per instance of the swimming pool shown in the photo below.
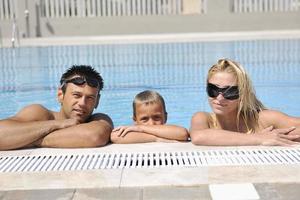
(176, 70)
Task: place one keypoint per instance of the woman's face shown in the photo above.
(219, 104)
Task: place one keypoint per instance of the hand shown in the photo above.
(270, 136)
(122, 131)
(65, 123)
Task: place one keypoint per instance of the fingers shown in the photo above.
(122, 131)
(270, 128)
(286, 142)
(116, 129)
(289, 137)
(284, 130)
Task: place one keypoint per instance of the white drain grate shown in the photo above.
(148, 160)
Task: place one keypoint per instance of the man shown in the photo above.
(73, 126)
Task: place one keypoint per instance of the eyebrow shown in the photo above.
(226, 86)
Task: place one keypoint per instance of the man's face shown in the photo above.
(149, 114)
(78, 102)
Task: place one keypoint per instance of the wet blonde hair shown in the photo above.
(249, 106)
(148, 97)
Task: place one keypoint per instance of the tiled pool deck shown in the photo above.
(281, 181)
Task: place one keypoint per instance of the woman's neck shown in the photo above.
(229, 122)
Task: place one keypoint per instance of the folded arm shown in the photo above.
(30, 124)
(91, 134)
(148, 133)
(280, 120)
(132, 137)
(202, 134)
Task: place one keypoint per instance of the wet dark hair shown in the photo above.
(85, 71)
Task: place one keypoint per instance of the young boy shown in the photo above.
(149, 116)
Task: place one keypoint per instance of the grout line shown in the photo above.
(120, 182)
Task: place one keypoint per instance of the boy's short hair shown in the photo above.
(84, 71)
(148, 97)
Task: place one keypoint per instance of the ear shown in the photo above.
(166, 117)
(60, 95)
(134, 119)
(98, 100)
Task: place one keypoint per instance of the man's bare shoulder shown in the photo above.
(34, 112)
(101, 117)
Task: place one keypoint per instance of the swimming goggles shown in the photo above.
(82, 80)
(230, 92)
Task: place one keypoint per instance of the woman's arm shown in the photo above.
(202, 134)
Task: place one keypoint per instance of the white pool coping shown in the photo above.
(145, 177)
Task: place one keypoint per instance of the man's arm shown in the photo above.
(91, 134)
(27, 126)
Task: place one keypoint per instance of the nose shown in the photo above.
(150, 122)
(220, 97)
(82, 101)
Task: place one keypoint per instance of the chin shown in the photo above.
(79, 118)
(219, 112)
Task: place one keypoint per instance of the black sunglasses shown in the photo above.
(230, 92)
(82, 80)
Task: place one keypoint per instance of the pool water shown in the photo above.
(176, 70)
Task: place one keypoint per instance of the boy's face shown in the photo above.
(149, 114)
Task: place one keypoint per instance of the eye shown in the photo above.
(144, 119)
(157, 118)
(76, 95)
(92, 98)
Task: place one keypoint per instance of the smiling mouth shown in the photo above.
(220, 105)
(79, 112)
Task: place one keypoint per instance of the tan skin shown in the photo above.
(149, 127)
(275, 128)
(73, 126)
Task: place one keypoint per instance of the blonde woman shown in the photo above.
(238, 117)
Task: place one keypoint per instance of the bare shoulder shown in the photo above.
(102, 118)
(200, 116)
(200, 120)
(34, 112)
(267, 115)
(277, 119)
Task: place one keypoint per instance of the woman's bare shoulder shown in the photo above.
(201, 115)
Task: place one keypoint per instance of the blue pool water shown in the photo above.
(176, 70)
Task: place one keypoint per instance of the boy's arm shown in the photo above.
(91, 134)
(132, 137)
(148, 133)
(171, 132)
(202, 134)
(27, 126)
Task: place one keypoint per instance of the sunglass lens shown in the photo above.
(92, 82)
(76, 81)
(232, 93)
(212, 90)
